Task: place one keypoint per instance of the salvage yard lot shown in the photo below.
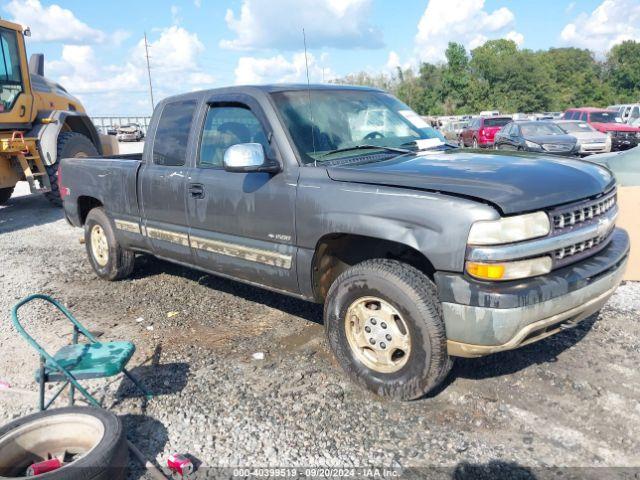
(570, 400)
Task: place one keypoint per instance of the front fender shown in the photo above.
(48, 126)
(435, 224)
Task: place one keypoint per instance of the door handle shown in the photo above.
(196, 190)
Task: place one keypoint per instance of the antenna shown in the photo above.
(306, 64)
(146, 49)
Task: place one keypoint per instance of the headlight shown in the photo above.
(509, 229)
(533, 145)
(510, 270)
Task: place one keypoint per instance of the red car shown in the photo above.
(623, 136)
(481, 131)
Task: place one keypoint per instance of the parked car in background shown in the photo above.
(623, 136)
(536, 136)
(452, 130)
(590, 140)
(489, 113)
(130, 133)
(629, 113)
(480, 133)
(626, 168)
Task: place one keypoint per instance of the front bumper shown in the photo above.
(485, 317)
(623, 143)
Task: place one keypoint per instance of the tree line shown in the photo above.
(499, 76)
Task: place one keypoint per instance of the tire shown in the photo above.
(106, 460)
(70, 144)
(116, 262)
(5, 194)
(414, 297)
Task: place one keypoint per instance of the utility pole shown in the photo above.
(146, 49)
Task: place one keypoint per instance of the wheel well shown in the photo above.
(80, 124)
(337, 252)
(85, 205)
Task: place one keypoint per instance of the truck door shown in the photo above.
(16, 100)
(242, 224)
(163, 183)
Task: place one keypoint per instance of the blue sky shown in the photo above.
(95, 50)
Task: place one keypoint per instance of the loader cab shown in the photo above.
(16, 99)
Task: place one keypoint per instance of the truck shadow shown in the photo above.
(147, 266)
(492, 470)
(27, 211)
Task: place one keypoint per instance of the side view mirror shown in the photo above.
(248, 157)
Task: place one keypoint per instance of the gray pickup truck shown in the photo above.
(339, 195)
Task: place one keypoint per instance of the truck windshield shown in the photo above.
(331, 124)
(10, 77)
(606, 117)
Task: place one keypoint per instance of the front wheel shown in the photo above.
(384, 324)
(107, 257)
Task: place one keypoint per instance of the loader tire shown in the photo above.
(70, 144)
(5, 194)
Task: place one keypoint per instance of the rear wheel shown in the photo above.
(384, 324)
(5, 194)
(90, 441)
(107, 257)
(70, 144)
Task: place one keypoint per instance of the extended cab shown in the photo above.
(419, 251)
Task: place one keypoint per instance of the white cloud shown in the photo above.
(197, 3)
(119, 88)
(570, 7)
(612, 22)
(52, 23)
(279, 23)
(516, 37)
(278, 69)
(462, 21)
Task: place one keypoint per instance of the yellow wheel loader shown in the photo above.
(40, 122)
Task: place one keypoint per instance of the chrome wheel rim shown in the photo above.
(377, 335)
(99, 245)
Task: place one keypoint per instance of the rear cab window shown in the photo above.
(172, 135)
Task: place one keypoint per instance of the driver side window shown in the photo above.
(226, 126)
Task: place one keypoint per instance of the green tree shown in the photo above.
(623, 63)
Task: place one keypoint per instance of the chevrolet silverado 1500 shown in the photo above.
(419, 251)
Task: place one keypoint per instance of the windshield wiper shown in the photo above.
(414, 143)
(365, 147)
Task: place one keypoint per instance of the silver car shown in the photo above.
(590, 140)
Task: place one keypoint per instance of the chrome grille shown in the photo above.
(584, 212)
(557, 147)
(580, 247)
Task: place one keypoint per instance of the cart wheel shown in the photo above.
(90, 441)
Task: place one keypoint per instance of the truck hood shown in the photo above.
(614, 127)
(514, 183)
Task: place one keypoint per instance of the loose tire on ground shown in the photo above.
(101, 433)
(119, 262)
(414, 297)
(70, 144)
(5, 194)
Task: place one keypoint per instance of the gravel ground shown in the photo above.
(569, 401)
